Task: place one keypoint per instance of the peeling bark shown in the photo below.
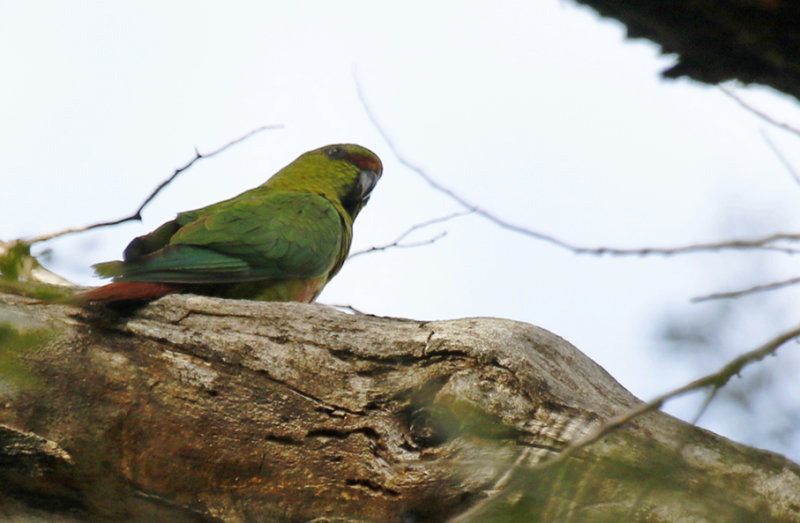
(203, 409)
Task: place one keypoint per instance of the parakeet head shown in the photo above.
(343, 173)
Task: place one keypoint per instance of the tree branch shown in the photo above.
(762, 243)
(716, 380)
(137, 214)
(764, 116)
(789, 167)
(302, 412)
(495, 492)
(396, 243)
(749, 290)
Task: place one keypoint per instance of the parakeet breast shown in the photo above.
(302, 290)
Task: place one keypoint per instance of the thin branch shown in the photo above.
(495, 491)
(709, 398)
(137, 214)
(781, 157)
(396, 243)
(749, 290)
(716, 380)
(764, 116)
(764, 243)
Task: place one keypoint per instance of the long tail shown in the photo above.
(124, 291)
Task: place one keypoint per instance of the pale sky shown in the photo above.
(539, 112)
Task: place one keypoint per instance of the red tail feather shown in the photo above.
(125, 290)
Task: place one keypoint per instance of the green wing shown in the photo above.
(257, 235)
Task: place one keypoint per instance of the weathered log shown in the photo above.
(194, 408)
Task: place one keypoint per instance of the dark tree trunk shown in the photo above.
(755, 41)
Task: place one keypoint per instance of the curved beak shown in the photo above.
(367, 179)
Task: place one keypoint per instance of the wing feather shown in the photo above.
(282, 234)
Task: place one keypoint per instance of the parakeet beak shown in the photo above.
(366, 182)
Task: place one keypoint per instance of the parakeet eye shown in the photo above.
(335, 152)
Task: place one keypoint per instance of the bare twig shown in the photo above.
(750, 290)
(716, 380)
(137, 214)
(495, 491)
(764, 116)
(398, 245)
(781, 157)
(709, 398)
(763, 243)
(397, 241)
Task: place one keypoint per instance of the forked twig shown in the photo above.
(396, 243)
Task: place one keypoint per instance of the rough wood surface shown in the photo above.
(195, 409)
(753, 41)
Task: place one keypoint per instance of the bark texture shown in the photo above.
(753, 41)
(203, 409)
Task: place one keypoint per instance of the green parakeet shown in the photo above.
(282, 241)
